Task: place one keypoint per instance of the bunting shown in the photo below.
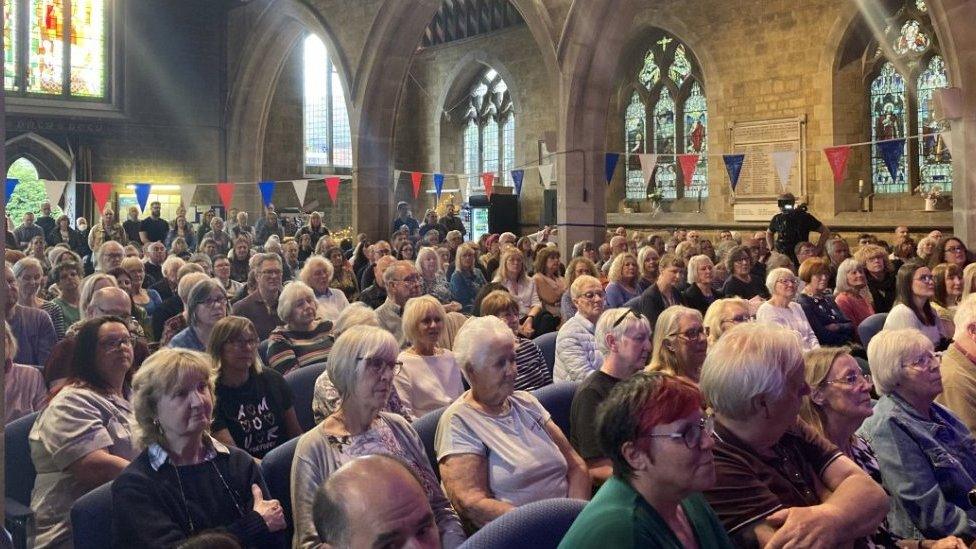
(332, 185)
(186, 193)
(517, 176)
(301, 189)
(101, 192)
(733, 165)
(9, 190)
(611, 165)
(54, 190)
(396, 180)
(837, 158)
(415, 179)
(783, 162)
(267, 191)
(142, 195)
(488, 178)
(438, 185)
(647, 163)
(689, 162)
(226, 192)
(891, 152)
(545, 175)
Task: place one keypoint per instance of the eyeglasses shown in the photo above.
(376, 367)
(787, 281)
(692, 334)
(593, 294)
(381, 251)
(222, 301)
(248, 342)
(636, 314)
(928, 362)
(925, 278)
(852, 378)
(740, 318)
(411, 280)
(118, 343)
(955, 249)
(691, 435)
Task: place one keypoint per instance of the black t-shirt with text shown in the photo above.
(254, 413)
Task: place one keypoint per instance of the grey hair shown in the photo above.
(750, 360)
(260, 259)
(776, 275)
(24, 263)
(964, 317)
(88, 290)
(355, 314)
(306, 272)
(290, 295)
(199, 293)
(101, 251)
(694, 263)
(921, 242)
(202, 258)
(843, 270)
(627, 321)
(576, 289)
(390, 273)
(424, 252)
(887, 353)
(344, 361)
(475, 336)
(187, 282)
(713, 315)
(172, 262)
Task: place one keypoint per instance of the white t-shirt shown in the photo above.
(901, 316)
(426, 383)
(791, 317)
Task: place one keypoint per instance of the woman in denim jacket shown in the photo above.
(926, 454)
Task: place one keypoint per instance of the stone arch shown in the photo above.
(277, 30)
(51, 161)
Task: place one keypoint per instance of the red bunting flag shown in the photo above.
(415, 178)
(332, 185)
(488, 178)
(837, 158)
(226, 192)
(688, 164)
(101, 192)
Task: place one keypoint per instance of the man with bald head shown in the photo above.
(374, 501)
(375, 294)
(111, 301)
(402, 282)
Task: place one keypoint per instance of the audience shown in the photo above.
(880, 275)
(432, 279)
(852, 295)
(781, 309)
(30, 278)
(549, 282)
(498, 448)
(206, 304)
(647, 259)
(362, 366)
(742, 282)
(680, 343)
(402, 283)
(664, 292)
(948, 292)
(577, 355)
(779, 483)
(578, 266)
(723, 314)
(305, 338)
(624, 340)
(429, 377)
(700, 292)
(624, 280)
(654, 430)
(531, 369)
(828, 322)
(172, 403)
(32, 327)
(261, 306)
(466, 279)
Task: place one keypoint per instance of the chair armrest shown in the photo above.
(19, 520)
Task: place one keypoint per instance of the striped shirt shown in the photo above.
(532, 371)
(292, 349)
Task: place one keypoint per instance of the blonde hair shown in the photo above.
(160, 375)
(713, 316)
(415, 310)
(663, 357)
(816, 366)
(501, 274)
(617, 266)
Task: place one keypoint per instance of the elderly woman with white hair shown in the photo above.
(723, 314)
(851, 294)
(205, 305)
(317, 273)
(781, 309)
(184, 481)
(305, 339)
(362, 366)
(429, 378)
(499, 448)
(700, 292)
(680, 343)
(779, 483)
(926, 455)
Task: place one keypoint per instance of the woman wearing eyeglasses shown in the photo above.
(205, 305)
(499, 448)
(362, 365)
(951, 250)
(741, 282)
(254, 410)
(660, 444)
(913, 308)
(926, 455)
(880, 276)
(782, 310)
(723, 314)
(680, 343)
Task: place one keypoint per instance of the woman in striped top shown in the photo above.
(531, 369)
(305, 339)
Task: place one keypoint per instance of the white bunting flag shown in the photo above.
(186, 193)
(783, 161)
(396, 179)
(301, 187)
(647, 162)
(545, 175)
(54, 189)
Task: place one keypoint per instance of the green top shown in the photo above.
(620, 518)
(71, 314)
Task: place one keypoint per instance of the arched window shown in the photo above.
(489, 129)
(328, 141)
(667, 103)
(57, 48)
(905, 72)
(29, 193)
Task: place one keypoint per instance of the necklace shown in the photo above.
(186, 505)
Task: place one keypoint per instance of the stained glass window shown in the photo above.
(888, 122)
(920, 5)
(934, 162)
(671, 112)
(634, 124)
(911, 39)
(53, 33)
(664, 137)
(696, 122)
(9, 46)
(489, 129)
(328, 141)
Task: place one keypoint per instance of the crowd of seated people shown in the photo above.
(724, 394)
